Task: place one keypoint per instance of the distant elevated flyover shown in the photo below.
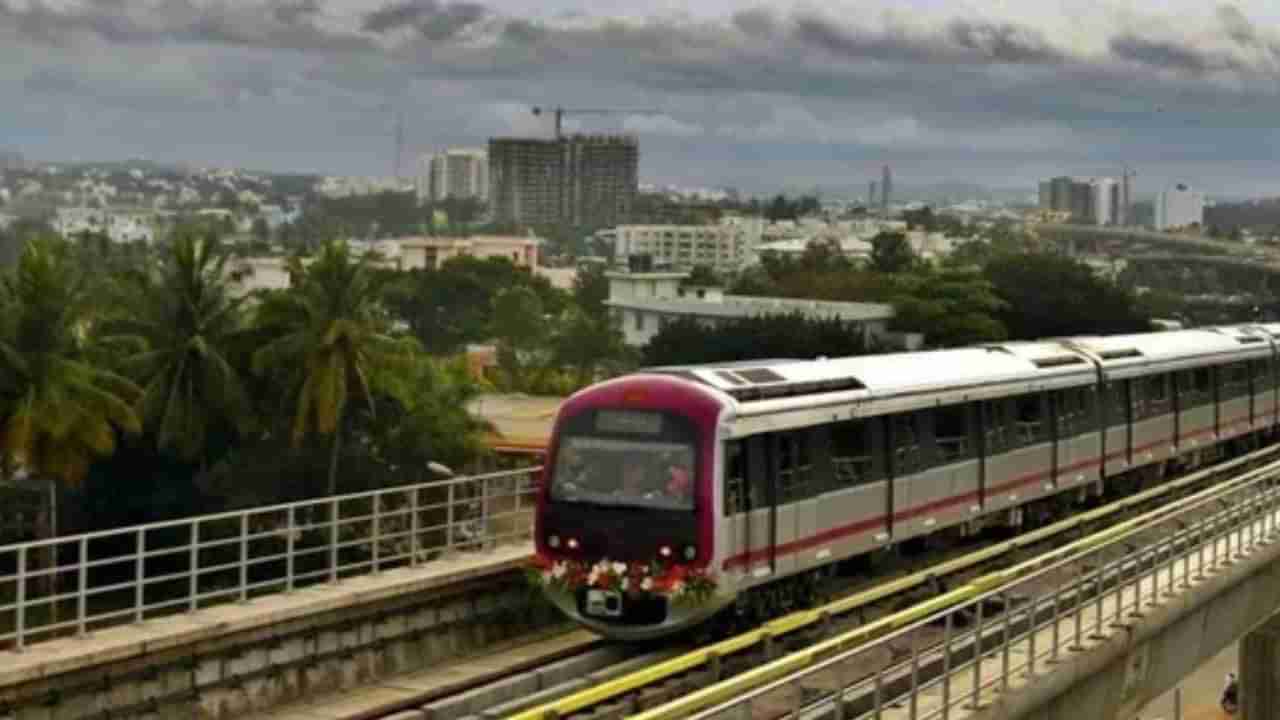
(1093, 235)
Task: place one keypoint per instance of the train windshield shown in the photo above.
(605, 463)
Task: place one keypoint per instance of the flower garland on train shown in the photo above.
(681, 583)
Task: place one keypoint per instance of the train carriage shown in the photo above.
(759, 477)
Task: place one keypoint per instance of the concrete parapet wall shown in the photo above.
(230, 660)
(1152, 654)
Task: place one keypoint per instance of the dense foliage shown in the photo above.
(689, 341)
(151, 389)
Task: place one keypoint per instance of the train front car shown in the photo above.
(626, 509)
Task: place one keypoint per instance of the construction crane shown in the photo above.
(560, 112)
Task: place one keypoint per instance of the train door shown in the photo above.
(749, 508)
(792, 469)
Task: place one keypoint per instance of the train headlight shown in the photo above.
(665, 551)
(554, 541)
(573, 543)
(690, 552)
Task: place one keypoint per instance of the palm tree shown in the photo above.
(327, 338)
(57, 410)
(176, 326)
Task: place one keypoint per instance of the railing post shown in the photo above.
(376, 531)
(20, 603)
(413, 527)
(290, 549)
(448, 523)
(1004, 645)
(140, 575)
(82, 590)
(977, 656)
(244, 557)
(193, 579)
(485, 541)
(947, 631)
(333, 540)
(877, 696)
(913, 702)
(1033, 626)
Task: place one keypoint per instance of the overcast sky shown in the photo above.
(753, 95)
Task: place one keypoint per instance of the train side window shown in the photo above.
(996, 425)
(852, 455)
(1087, 397)
(951, 433)
(1156, 395)
(1117, 403)
(735, 477)
(794, 467)
(1235, 380)
(1030, 420)
(905, 441)
(1261, 375)
(1074, 410)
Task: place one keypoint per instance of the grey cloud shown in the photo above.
(269, 25)
(434, 20)
(1165, 54)
(757, 22)
(1003, 42)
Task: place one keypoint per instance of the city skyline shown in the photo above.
(771, 96)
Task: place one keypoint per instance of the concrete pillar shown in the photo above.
(1260, 672)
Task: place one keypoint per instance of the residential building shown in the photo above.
(581, 180)
(725, 247)
(1097, 200)
(121, 227)
(251, 274)
(432, 252)
(461, 173)
(1179, 207)
(1105, 198)
(644, 302)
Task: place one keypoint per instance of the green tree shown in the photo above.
(328, 340)
(58, 411)
(1050, 295)
(176, 324)
(520, 329)
(591, 290)
(689, 341)
(891, 253)
(587, 342)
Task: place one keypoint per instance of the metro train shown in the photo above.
(676, 494)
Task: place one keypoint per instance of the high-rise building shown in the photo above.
(582, 180)
(1125, 216)
(886, 191)
(1104, 194)
(457, 173)
(871, 195)
(1179, 206)
(1098, 200)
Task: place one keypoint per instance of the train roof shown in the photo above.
(1122, 355)
(896, 373)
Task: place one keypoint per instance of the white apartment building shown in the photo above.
(455, 173)
(1178, 207)
(644, 302)
(726, 247)
(1105, 196)
(120, 227)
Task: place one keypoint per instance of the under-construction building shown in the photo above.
(581, 180)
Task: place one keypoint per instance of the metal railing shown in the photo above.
(75, 584)
(961, 654)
